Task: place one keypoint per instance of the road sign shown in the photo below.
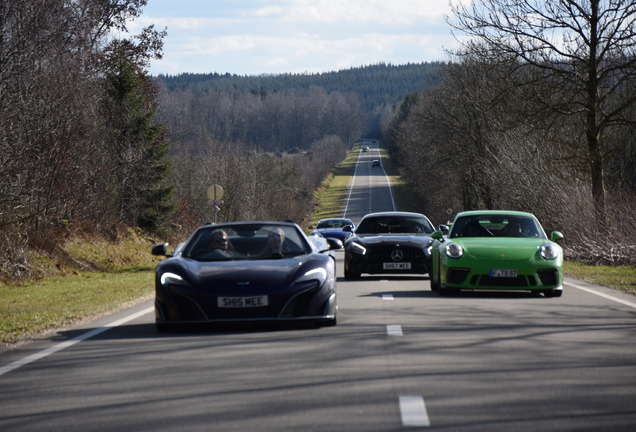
(215, 192)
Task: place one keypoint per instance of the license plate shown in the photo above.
(504, 273)
(396, 266)
(242, 302)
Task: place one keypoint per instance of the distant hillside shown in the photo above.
(376, 85)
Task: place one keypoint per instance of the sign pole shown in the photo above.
(215, 193)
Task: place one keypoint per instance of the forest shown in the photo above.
(92, 145)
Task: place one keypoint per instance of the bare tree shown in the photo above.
(584, 50)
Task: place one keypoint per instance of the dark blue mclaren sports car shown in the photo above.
(246, 271)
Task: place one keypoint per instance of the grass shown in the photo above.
(123, 273)
(30, 309)
(124, 269)
(622, 278)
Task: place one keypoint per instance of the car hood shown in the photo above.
(248, 276)
(394, 239)
(329, 230)
(500, 248)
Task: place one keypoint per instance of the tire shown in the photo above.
(162, 327)
(447, 291)
(350, 274)
(434, 283)
(328, 323)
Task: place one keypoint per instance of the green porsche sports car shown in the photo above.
(496, 250)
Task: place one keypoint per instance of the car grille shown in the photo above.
(487, 281)
(549, 277)
(457, 276)
(299, 305)
(188, 309)
(383, 253)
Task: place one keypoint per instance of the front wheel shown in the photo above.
(350, 274)
(434, 283)
(447, 291)
(328, 323)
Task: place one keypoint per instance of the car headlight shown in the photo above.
(319, 274)
(357, 248)
(169, 278)
(549, 251)
(454, 250)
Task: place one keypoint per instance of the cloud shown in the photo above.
(383, 12)
(255, 37)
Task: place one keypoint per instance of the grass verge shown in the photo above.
(122, 273)
(53, 302)
(622, 278)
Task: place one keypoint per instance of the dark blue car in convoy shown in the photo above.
(333, 228)
(246, 271)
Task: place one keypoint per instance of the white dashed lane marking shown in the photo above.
(394, 330)
(413, 411)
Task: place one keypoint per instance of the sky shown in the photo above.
(256, 37)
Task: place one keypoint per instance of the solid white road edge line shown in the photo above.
(62, 345)
(609, 297)
(394, 330)
(413, 411)
(353, 180)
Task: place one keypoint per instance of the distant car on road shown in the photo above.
(389, 242)
(375, 163)
(365, 148)
(333, 228)
(497, 250)
(264, 271)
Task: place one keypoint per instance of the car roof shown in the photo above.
(392, 213)
(238, 223)
(495, 213)
(336, 219)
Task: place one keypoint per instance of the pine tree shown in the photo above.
(139, 154)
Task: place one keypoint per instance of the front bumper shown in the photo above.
(479, 278)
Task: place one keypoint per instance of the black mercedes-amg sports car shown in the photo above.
(389, 242)
(246, 271)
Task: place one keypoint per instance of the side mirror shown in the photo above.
(556, 235)
(438, 235)
(444, 229)
(347, 228)
(160, 249)
(334, 243)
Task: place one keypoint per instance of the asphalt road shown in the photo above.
(370, 189)
(400, 358)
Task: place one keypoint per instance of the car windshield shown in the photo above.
(333, 223)
(496, 226)
(395, 225)
(252, 241)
